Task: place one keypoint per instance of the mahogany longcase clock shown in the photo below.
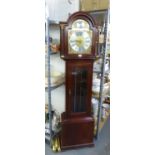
(79, 38)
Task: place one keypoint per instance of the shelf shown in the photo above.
(47, 137)
(95, 71)
(53, 22)
(51, 53)
(99, 72)
(47, 131)
(103, 101)
(107, 101)
(54, 87)
(96, 97)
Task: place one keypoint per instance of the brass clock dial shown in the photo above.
(80, 38)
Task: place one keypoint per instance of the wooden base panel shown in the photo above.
(77, 133)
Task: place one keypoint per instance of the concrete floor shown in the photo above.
(102, 145)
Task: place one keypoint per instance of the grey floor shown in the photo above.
(102, 145)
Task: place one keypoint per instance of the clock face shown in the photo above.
(80, 38)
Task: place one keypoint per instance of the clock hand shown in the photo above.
(79, 41)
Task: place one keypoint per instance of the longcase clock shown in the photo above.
(79, 38)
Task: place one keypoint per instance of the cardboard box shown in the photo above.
(93, 5)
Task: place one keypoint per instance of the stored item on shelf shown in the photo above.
(107, 69)
(107, 100)
(109, 76)
(106, 106)
(55, 81)
(56, 78)
(55, 47)
(96, 82)
(47, 131)
(101, 38)
(101, 35)
(56, 74)
(96, 85)
(46, 108)
(46, 47)
(95, 103)
(56, 121)
(53, 73)
(95, 125)
(47, 126)
(97, 65)
(95, 76)
(106, 90)
(105, 112)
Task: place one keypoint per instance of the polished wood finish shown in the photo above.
(70, 65)
(78, 126)
(77, 132)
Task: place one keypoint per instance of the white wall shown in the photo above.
(60, 9)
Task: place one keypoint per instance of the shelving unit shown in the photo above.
(48, 136)
(53, 22)
(54, 87)
(49, 133)
(103, 48)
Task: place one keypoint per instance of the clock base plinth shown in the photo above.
(77, 146)
(77, 132)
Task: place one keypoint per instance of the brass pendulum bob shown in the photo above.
(56, 143)
(59, 149)
(53, 146)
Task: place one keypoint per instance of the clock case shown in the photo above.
(78, 123)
